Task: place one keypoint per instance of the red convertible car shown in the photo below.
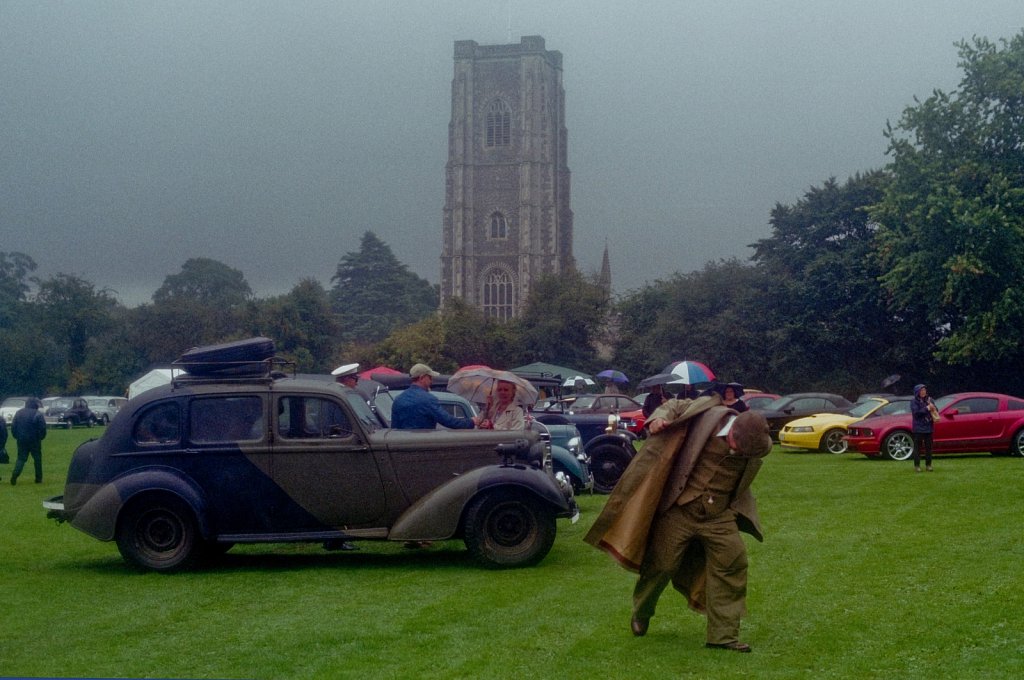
(968, 422)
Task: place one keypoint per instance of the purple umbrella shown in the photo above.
(613, 376)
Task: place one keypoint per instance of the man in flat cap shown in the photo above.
(677, 512)
(417, 409)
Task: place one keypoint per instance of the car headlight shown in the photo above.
(574, 445)
(802, 428)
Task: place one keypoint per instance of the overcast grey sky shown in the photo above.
(270, 135)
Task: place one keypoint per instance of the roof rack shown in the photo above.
(235, 372)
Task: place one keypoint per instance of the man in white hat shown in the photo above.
(417, 409)
(347, 375)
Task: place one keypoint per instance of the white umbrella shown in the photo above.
(477, 384)
(577, 381)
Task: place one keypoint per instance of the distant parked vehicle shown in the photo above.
(105, 408)
(758, 400)
(792, 406)
(10, 406)
(69, 412)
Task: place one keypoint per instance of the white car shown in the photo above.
(11, 406)
(105, 408)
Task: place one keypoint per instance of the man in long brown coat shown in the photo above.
(677, 511)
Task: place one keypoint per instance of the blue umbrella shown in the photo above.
(614, 376)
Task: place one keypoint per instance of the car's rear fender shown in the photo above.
(99, 514)
(438, 515)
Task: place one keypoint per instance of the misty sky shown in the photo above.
(271, 135)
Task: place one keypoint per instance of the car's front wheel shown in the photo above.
(159, 532)
(509, 529)
(833, 441)
(1017, 443)
(607, 463)
(898, 445)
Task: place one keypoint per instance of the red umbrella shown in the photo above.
(385, 370)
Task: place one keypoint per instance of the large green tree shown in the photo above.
(206, 302)
(22, 362)
(951, 240)
(374, 293)
(826, 305)
(302, 325)
(715, 315)
(74, 314)
(564, 317)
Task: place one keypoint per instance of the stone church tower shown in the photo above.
(507, 220)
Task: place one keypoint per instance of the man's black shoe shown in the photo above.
(639, 626)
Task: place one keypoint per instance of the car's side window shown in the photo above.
(311, 418)
(977, 405)
(225, 419)
(159, 425)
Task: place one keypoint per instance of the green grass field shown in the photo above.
(868, 571)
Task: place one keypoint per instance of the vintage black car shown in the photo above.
(249, 455)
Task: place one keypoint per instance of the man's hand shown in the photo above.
(656, 425)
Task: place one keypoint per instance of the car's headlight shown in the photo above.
(802, 428)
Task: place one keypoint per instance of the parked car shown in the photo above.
(759, 400)
(827, 431)
(190, 468)
(10, 406)
(69, 412)
(968, 422)
(603, 403)
(792, 406)
(105, 408)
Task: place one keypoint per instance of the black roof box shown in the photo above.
(241, 357)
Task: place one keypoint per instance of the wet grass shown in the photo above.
(868, 571)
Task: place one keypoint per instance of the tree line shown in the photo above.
(915, 269)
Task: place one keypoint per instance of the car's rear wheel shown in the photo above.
(509, 529)
(833, 441)
(159, 532)
(898, 445)
(607, 463)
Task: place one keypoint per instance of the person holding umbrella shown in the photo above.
(503, 413)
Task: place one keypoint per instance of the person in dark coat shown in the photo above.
(29, 430)
(924, 414)
(655, 398)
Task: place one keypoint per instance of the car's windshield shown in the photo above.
(584, 401)
(61, 403)
(11, 402)
(863, 408)
(362, 411)
(943, 402)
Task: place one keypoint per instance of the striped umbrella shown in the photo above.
(689, 373)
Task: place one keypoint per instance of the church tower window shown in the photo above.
(499, 124)
(499, 226)
(499, 295)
